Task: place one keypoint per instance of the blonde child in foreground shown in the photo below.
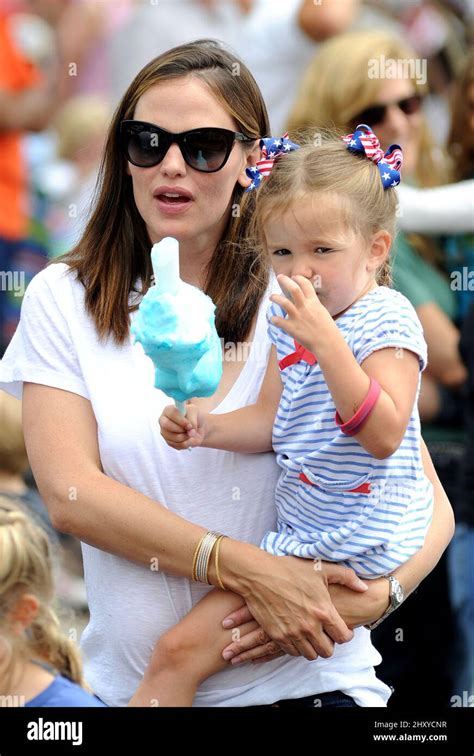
(30, 636)
(338, 403)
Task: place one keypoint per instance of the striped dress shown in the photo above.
(334, 500)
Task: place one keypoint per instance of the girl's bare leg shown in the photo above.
(190, 652)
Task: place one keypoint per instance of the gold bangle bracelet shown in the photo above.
(218, 576)
(202, 556)
(196, 556)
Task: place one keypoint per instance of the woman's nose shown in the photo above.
(396, 122)
(173, 163)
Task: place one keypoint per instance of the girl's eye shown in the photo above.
(322, 250)
(281, 252)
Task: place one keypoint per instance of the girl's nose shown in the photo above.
(303, 270)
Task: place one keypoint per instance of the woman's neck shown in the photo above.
(196, 254)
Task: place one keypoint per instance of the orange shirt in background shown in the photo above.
(16, 73)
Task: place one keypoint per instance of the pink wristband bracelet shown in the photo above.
(354, 425)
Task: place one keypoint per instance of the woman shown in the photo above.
(88, 391)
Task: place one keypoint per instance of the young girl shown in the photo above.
(30, 636)
(338, 402)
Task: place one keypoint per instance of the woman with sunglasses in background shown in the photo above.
(175, 165)
(338, 89)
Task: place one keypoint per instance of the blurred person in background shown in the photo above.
(68, 180)
(14, 468)
(27, 96)
(343, 87)
(276, 41)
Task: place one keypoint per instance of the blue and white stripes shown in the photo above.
(371, 532)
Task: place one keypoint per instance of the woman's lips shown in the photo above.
(172, 206)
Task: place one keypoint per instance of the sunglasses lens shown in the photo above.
(145, 148)
(207, 149)
(410, 105)
(370, 116)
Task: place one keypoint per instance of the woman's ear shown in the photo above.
(24, 612)
(379, 250)
(251, 159)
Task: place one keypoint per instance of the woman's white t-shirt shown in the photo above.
(131, 605)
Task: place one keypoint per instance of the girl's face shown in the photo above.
(180, 105)
(310, 239)
(398, 127)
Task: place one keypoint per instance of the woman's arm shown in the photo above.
(288, 599)
(364, 608)
(440, 533)
(439, 210)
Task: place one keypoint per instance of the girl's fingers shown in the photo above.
(192, 416)
(292, 287)
(306, 287)
(288, 306)
(173, 415)
(171, 426)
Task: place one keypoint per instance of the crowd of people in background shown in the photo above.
(62, 72)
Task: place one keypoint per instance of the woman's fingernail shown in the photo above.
(228, 655)
(362, 585)
(228, 623)
(236, 661)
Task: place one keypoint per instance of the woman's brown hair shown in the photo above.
(115, 249)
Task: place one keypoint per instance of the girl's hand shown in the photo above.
(307, 317)
(182, 432)
(293, 606)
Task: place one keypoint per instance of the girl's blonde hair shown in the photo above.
(337, 86)
(26, 567)
(329, 168)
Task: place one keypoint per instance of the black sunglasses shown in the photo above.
(206, 150)
(376, 114)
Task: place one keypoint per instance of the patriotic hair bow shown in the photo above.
(364, 141)
(271, 148)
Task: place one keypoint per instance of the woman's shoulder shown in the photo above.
(53, 277)
(63, 692)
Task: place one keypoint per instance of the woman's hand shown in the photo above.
(292, 604)
(182, 431)
(354, 607)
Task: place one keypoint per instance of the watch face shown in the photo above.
(398, 594)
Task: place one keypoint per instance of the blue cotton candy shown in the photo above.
(175, 325)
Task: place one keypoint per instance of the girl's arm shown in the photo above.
(397, 371)
(247, 430)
